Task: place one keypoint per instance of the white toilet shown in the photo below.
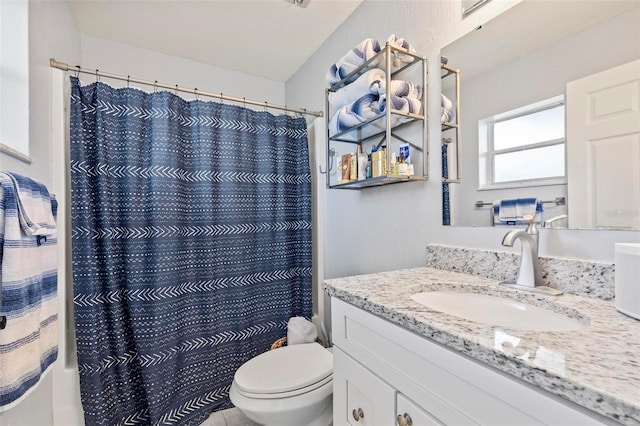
(288, 386)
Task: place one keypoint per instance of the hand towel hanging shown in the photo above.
(28, 286)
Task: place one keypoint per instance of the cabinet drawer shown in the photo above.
(360, 397)
(409, 414)
(450, 386)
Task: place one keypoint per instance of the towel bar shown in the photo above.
(559, 201)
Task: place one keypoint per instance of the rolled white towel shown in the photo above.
(347, 116)
(357, 56)
(445, 102)
(400, 103)
(368, 83)
(400, 58)
(448, 113)
(402, 88)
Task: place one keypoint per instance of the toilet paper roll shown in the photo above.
(300, 330)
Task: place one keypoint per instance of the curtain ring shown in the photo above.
(128, 80)
(175, 92)
(97, 76)
(265, 106)
(221, 98)
(196, 93)
(244, 101)
(77, 71)
(155, 86)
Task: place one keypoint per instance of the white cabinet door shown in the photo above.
(410, 414)
(603, 148)
(359, 397)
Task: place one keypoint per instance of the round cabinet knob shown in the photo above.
(405, 420)
(358, 414)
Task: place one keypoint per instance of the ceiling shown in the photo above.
(529, 26)
(265, 38)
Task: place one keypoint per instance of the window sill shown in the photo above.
(523, 184)
(4, 149)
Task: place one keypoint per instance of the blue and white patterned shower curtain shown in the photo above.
(191, 244)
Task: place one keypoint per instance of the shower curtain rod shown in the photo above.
(77, 68)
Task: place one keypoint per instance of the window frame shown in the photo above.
(487, 152)
(14, 79)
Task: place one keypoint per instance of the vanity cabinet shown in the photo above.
(385, 374)
(386, 130)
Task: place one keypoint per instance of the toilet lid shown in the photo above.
(285, 369)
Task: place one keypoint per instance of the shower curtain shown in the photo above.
(191, 248)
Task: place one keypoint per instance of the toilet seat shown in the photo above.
(285, 372)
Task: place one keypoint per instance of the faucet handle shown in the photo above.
(531, 227)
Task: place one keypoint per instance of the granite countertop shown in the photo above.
(597, 367)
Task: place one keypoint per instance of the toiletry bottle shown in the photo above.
(368, 170)
(402, 166)
(353, 169)
(393, 169)
(346, 168)
(376, 163)
(362, 164)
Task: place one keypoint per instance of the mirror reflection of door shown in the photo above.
(603, 143)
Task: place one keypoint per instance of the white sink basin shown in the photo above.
(497, 311)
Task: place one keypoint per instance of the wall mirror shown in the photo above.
(514, 72)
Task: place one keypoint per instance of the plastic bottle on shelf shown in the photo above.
(403, 169)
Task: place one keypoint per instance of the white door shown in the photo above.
(603, 148)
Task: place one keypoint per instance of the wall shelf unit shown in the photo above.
(451, 130)
(387, 130)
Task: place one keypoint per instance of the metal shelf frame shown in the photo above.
(360, 133)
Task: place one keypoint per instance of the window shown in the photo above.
(14, 78)
(525, 146)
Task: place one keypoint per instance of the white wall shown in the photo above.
(53, 32)
(544, 73)
(385, 228)
(119, 58)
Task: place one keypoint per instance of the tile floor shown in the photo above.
(230, 417)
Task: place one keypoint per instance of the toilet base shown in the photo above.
(312, 409)
(324, 417)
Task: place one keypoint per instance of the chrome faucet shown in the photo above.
(549, 222)
(529, 277)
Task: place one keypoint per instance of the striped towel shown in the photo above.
(28, 286)
(511, 211)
